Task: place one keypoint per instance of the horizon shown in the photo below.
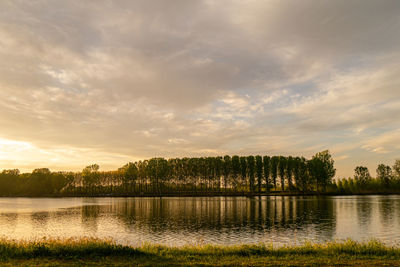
(371, 172)
(114, 82)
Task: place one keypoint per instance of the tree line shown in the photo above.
(227, 175)
(187, 176)
(387, 180)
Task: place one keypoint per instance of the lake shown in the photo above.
(204, 220)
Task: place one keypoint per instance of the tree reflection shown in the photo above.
(166, 216)
(39, 219)
(364, 212)
(386, 210)
(90, 215)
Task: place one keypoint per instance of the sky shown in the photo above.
(109, 82)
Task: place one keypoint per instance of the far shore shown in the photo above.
(209, 194)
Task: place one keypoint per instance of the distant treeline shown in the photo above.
(387, 181)
(236, 175)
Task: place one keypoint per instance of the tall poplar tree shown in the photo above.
(267, 169)
(282, 167)
(259, 172)
(274, 169)
(251, 171)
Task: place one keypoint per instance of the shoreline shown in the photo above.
(204, 195)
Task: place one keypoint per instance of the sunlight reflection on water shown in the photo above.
(204, 220)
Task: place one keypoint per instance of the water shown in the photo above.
(204, 220)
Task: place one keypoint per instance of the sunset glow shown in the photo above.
(109, 82)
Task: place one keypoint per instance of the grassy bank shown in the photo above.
(103, 252)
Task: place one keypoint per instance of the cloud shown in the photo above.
(136, 79)
(26, 156)
(355, 100)
(384, 143)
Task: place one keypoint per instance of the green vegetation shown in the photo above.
(105, 252)
(245, 175)
(226, 175)
(387, 181)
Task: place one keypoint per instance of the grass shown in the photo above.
(96, 252)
